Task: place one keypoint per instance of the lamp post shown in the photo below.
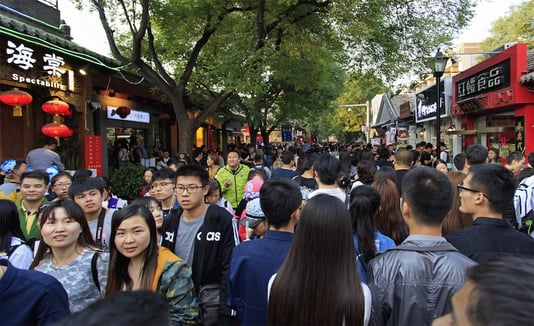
(440, 61)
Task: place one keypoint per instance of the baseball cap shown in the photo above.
(253, 215)
(8, 167)
(252, 189)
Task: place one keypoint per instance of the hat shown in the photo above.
(8, 167)
(253, 215)
(252, 189)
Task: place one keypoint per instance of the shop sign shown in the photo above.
(488, 80)
(287, 133)
(93, 153)
(134, 115)
(426, 104)
(520, 134)
(25, 58)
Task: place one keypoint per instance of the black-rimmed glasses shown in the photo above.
(461, 188)
(190, 189)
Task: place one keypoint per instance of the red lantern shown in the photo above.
(56, 130)
(164, 116)
(56, 106)
(122, 111)
(16, 98)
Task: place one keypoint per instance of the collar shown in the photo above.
(492, 221)
(27, 211)
(422, 237)
(278, 235)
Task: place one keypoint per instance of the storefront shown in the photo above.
(494, 108)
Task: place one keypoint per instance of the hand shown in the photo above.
(227, 183)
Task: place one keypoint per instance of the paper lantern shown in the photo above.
(121, 111)
(56, 106)
(164, 116)
(16, 98)
(56, 130)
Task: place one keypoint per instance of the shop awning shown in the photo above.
(388, 113)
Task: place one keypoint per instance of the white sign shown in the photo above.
(22, 56)
(135, 116)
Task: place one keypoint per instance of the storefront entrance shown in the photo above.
(497, 131)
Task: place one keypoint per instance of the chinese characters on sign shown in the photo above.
(26, 58)
(520, 134)
(22, 56)
(93, 153)
(488, 80)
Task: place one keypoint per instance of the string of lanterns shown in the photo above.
(56, 128)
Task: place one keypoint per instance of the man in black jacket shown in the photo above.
(204, 235)
(486, 194)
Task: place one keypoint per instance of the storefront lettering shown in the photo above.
(22, 57)
(35, 81)
(488, 80)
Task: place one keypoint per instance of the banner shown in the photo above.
(93, 153)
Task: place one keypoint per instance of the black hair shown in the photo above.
(503, 292)
(364, 203)
(279, 198)
(193, 170)
(287, 157)
(497, 182)
(36, 174)
(404, 157)
(163, 174)
(327, 168)
(515, 156)
(50, 141)
(142, 307)
(459, 161)
(476, 154)
(9, 224)
(428, 193)
(530, 159)
(82, 174)
(82, 185)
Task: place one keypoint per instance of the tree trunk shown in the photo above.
(186, 132)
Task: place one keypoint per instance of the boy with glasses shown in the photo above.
(162, 188)
(204, 236)
(486, 194)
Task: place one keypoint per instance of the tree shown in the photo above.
(204, 51)
(517, 26)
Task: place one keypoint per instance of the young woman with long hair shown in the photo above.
(12, 243)
(68, 252)
(368, 242)
(455, 220)
(213, 165)
(318, 283)
(389, 219)
(138, 262)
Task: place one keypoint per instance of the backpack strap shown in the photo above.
(12, 249)
(94, 270)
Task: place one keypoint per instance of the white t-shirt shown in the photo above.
(368, 300)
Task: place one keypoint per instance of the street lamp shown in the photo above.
(440, 61)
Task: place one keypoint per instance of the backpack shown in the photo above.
(524, 205)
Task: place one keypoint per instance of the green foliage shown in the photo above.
(517, 26)
(126, 181)
(69, 151)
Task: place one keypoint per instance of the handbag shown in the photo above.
(208, 302)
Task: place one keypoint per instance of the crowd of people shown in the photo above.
(348, 234)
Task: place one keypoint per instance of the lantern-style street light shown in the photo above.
(440, 61)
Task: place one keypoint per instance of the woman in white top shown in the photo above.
(67, 252)
(12, 244)
(318, 283)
